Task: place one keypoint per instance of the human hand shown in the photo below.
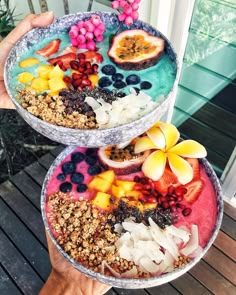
(65, 279)
(29, 22)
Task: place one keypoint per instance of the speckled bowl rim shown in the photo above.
(135, 283)
(101, 132)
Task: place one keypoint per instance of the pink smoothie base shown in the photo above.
(204, 210)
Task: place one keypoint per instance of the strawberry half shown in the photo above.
(194, 189)
(167, 179)
(50, 48)
(196, 167)
(65, 59)
(93, 56)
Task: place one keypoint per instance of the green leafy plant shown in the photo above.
(7, 19)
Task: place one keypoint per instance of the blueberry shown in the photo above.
(132, 79)
(90, 152)
(77, 157)
(104, 82)
(81, 188)
(145, 85)
(108, 70)
(66, 187)
(94, 170)
(91, 160)
(119, 84)
(77, 177)
(68, 168)
(117, 77)
(61, 177)
(120, 94)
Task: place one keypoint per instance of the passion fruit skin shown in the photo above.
(136, 50)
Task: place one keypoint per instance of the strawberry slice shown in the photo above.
(196, 167)
(93, 56)
(194, 189)
(50, 48)
(69, 49)
(65, 59)
(167, 179)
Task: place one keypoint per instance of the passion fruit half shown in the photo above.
(136, 50)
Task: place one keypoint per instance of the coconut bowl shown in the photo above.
(81, 137)
(145, 282)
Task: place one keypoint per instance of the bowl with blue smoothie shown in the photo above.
(90, 80)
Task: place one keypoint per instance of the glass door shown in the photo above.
(205, 107)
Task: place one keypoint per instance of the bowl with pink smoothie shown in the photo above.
(118, 226)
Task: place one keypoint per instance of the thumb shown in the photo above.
(29, 22)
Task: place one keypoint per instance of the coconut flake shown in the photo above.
(132, 273)
(177, 232)
(192, 245)
(148, 265)
(92, 102)
(113, 272)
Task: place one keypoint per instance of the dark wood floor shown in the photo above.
(24, 261)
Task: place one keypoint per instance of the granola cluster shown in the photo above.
(51, 109)
(83, 232)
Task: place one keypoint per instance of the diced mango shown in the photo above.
(44, 71)
(117, 191)
(133, 194)
(102, 200)
(99, 184)
(28, 62)
(56, 72)
(56, 84)
(25, 77)
(109, 175)
(140, 206)
(94, 79)
(39, 84)
(125, 184)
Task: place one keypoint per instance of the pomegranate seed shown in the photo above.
(77, 82)
(81, 69)
(95, 67)
(152, 200)
(186, 211)
(142, 198)
(74, 65)
(84, 76)
(171, 189)
(88, 65)
(163, 199)
(80, 88)
(165, 205)
(88, 71)
(179, 198)
(173, 208)
(136, 178)
(81, 55)
(86, 82)
(171, 203)
(67, 79)
(171, 198)
(76, 76)
(147, 186)
(179, 191)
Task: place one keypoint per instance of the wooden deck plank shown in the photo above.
(28, 187)
(211, 279)
(55, 152)
(130, 291)
(7, 286)
(228, 226)
(226, 244)
(230, 210)
(46, 161)
(24, 209)
(37, 172)
(187, 284)
(165, 289)
(222, 264)
(18, 268)
(34, 252)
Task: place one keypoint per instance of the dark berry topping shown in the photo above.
(136, 89)
(145, 85)
(77, 177)
(132, 79)
(104, 82)
(120, 94)
(61, 177)
(66, 187)
(94, 170)
(117, 77)
(81, 188)
(68, 168)
(77, 157)
(119, 84)
(90, 152)
(108, 70)
(91, 160)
